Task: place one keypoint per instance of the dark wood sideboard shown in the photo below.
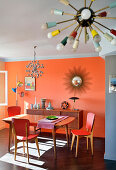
(78, 114)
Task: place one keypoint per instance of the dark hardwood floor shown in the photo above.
(65, 158)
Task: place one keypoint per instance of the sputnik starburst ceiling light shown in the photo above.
(83, 18)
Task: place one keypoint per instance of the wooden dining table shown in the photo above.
(34, 121)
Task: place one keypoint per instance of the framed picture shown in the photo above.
(30, 83)
(112, 83)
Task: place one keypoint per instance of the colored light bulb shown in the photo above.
(62, 44)
(44, 26)
(97, 46)
(59, 47)
(98, 49)
(113, 42)
(70, 40)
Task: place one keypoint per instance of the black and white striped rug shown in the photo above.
(45, 144)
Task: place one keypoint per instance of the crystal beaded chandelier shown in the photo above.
(34, 66)
(83, 18)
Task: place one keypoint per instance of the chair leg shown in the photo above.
(91, 144)
(27, 152)
(15, 149)
(36, 141)
(77, 146)
(73, 138)
(12, 135)
(69, 134)
(34, 129)
(67, 137)
(87, 143)
(23, 147)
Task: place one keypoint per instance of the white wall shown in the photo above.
(110, 111)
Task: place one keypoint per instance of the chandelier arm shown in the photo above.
(79, 34)
(91, 3)
(102, 25)
(69, 14)
(73, 8)
(85, 3)
(76, 28)
(101, 9)
(98, 29)
(65, 21)
(105, 17)
(90, 27)
(68, 26)
(85, 35)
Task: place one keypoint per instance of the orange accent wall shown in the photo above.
(51, 86)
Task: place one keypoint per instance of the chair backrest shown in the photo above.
(20, 126)
(90, 121)
(14, 110)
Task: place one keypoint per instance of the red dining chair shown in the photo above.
(88, 133)
(14, 110)
(22, 134)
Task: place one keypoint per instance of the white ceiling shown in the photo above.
(20, 29)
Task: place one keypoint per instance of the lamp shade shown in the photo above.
(74, 98)
(64, 41)
(65, 2)
(113, 31)
(56, 12)
(108, 37)
(51, 24)
(14, 90)
(48, 25)
(94, 33)
(112, 5)
(75, 44)
(54, 33)
(19, 84)
(103, 14)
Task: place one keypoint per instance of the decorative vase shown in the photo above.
(38, 106)
(43, 103)
(49, 107)
(31, 106)
(35, 105)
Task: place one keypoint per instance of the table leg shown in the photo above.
(66, 128)
(54, 140)
(10, 135)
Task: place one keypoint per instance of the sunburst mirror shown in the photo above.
(77, 80)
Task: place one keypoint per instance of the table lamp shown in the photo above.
(74, 99)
